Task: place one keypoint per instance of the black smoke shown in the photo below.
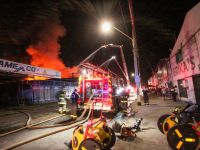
(21, 23)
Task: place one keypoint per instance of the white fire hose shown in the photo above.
(74, 124)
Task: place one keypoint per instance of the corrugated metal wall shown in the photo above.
(39, 92)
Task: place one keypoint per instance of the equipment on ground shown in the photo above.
(125, 131)
(179, 116)
(184, 137)
(182, 127)
(95, 135)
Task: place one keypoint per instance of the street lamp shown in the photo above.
(132, 74)
(106, 27)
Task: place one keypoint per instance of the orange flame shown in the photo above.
(35, 78)
(45, 53)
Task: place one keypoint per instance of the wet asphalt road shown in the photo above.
(148, 138)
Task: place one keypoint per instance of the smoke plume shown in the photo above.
(45, 53)
(32, 30)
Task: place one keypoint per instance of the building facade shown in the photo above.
(45, 91)
(160, 77)
(185, 58)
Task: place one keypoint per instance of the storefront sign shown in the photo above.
(14, 67)
(184, 66)
(188, 66)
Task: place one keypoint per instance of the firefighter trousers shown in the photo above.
(74, 109)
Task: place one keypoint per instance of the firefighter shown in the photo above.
(62, 102)
(174, 93)
(145, 96)
(74, 103)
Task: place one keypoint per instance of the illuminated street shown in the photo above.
(149, 137)
(99, 75)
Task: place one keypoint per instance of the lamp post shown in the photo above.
(106, 27)
(135, 53)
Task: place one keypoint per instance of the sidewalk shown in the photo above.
(150, 138)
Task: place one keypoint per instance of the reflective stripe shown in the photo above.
(83, 148)
(189, 140)
(178, 133)
(180, 143)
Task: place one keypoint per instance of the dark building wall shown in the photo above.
(46, 91)
(9, 94)
(33, 92)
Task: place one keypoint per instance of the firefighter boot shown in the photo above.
(64, 108)
(60, 110)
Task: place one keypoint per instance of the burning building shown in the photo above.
(45, 91)
(27, 84)
(32, 36)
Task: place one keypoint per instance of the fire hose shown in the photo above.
(28, 124)
(19, 129)
(72, 125)
(71, 122)
(34, 126)
(28, 115)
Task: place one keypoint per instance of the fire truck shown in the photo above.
(97, 81)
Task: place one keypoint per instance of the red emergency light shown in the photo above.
(98, 84)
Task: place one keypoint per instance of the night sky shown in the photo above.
(157, 24)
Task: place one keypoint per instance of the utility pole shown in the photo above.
(135, 52)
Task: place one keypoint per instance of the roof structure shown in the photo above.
(191, 25)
